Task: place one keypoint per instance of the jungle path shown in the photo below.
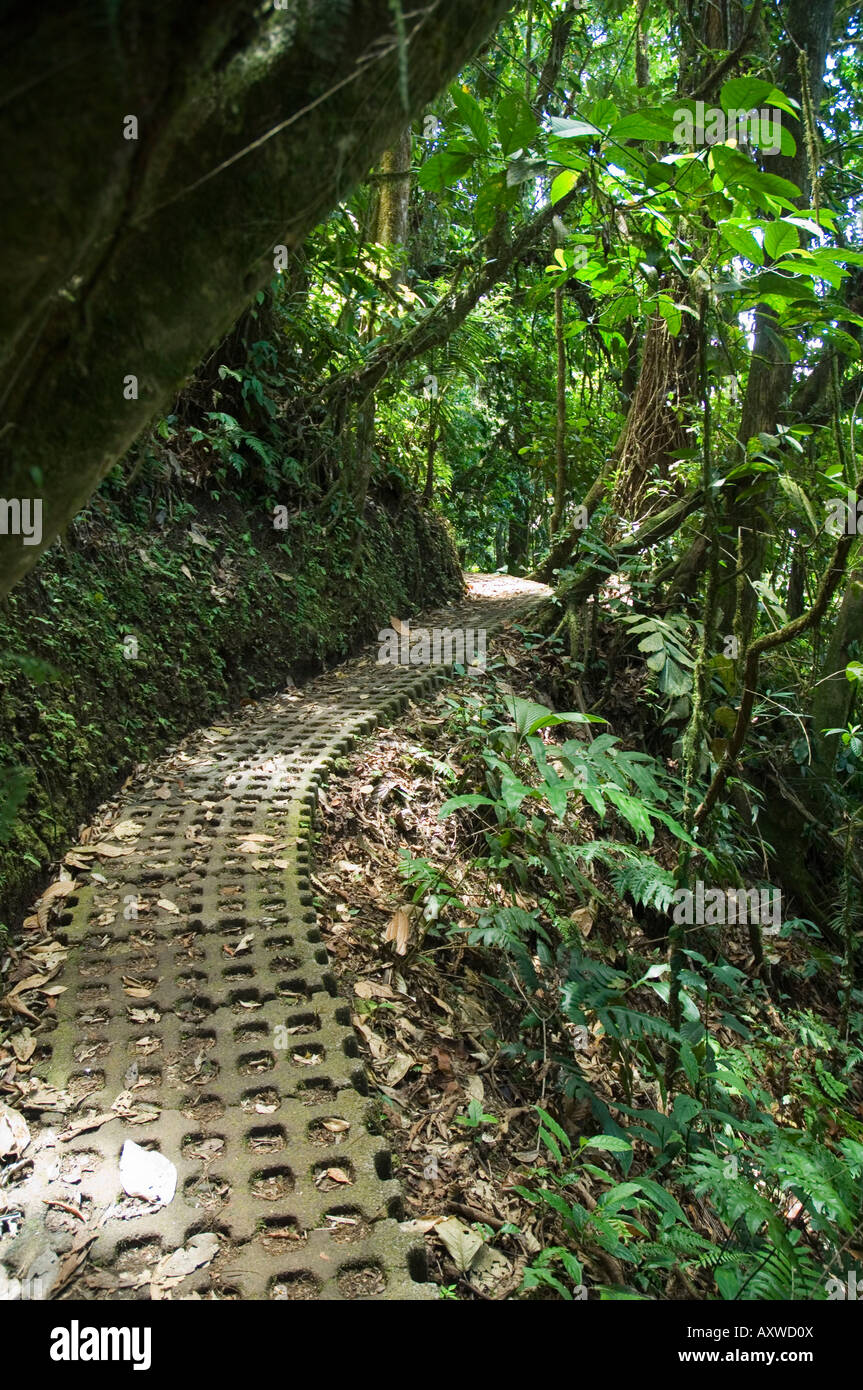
(200, 1018)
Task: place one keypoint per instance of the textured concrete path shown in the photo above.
(200, 1019)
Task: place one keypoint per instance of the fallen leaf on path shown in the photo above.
(126, 830)
(23, 1045)
(173, 1268)
(143, 1015)
(147, 1173)
(73, 1260)
(335, 1175)
(244, 944)
(65, 1206)
(136, 989)
(14, 1133)
(197, 537)
(61, 889)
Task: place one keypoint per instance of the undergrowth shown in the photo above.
(721, 1158)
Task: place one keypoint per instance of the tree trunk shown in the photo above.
(560, 420)
(391, 231)
(809, 23)
(434, 412)
(655, 428)
(834, 695)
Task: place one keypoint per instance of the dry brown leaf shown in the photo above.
(335, 1175)
(80, 856)
(173, 1268)
(244, 944)
(376, 1044)
(18, 1007)
(126, 830)
(399, 929)
(14, 1134)
(583, 919)
(136, 989)
(399, 1068)
(371, 989)
(61, 889)
(461, 1241)
(73, 1260)
(23, 1045)
(197, 537)
(31, 982)
(168, 906)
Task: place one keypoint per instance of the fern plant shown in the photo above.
(667, 652)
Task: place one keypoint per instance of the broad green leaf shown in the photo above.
(643, 125)
(742, 240)
(555, 791)
(603, 112)
(456, 802)
(563, 184)
(471, 114)
(780, 237)
(798, 496)
(748, 92)
(671, 314)
(607, 1143)
(566, 129)
(444, 168)
(738, 172)
(516, 124)
(674, 680)
(493, 195)
(550, 720)
(513, 790)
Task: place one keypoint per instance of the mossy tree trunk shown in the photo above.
(834, 695)
(391, 231)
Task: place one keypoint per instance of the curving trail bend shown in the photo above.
(200, 1019)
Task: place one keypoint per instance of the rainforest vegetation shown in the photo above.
(569, 291)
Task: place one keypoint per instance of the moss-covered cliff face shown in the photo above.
(130, 635)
